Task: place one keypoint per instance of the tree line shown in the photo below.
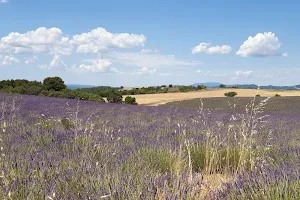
(55, 87)
(51, 87)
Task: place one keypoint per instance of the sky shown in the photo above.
(143, 43)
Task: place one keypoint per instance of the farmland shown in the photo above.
(158, 99)
(217, 148)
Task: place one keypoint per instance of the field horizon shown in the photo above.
(163, 98)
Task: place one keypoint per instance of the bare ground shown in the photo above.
(158, 99)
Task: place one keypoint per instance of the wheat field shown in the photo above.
(158, 99)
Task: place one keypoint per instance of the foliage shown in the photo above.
(103, 91)
(130, 100)
(222, 86)
(50, 89)
(277, 95)
(114, 97)
(54, 83)
(228, 86)
(230, 94)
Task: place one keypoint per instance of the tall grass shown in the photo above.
(234, 148)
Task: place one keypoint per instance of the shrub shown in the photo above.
(258, 95)
(54, 83)
(130, 100)
(230, 94)
(114, 97)
(277, 95)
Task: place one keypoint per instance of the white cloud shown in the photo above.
(9, 60)
(52, 41)
(171, 74)
(243, 74)
(198, 71)
(101, 66)
(144, 71)
(165, 74)
(148, 51)
(3, 1)
(207, 49)
(32, 60)
(101, 41)
(262, 45)
(42, 40)
(154, 60)
(55, 64)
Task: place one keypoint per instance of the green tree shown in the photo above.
(114, 97)
(130, 100)
(54, 83)
(222, 86)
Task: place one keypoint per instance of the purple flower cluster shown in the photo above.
(64, 149)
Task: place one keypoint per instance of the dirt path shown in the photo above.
(158, 99)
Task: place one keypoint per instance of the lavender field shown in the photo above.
(53, 148)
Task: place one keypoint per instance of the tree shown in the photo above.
(201, 87)
(230, 94)
(130, 100)
(222, 86)
(54, 83)
(114, 97)
(170, 86)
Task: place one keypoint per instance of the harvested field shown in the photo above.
(158, 99)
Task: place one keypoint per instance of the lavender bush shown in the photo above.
(65, 149)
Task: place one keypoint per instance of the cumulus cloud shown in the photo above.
(42, 40)
(3, 1)
(32, 60)
(101, 41)
(262, 45)
(144, 71)
(55, 64)
(9, 60)
(100, 66)
(198, 71)
(208, 49)
(53, 41)
(149, 59)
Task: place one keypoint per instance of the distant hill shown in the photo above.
(209, 84)
(74, 86)
(246, 86)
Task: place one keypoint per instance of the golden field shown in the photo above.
(158, 99)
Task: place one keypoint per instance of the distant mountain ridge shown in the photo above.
(253, 86)
(209, 84)
(77, 86)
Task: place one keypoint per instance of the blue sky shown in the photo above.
(140, 43)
